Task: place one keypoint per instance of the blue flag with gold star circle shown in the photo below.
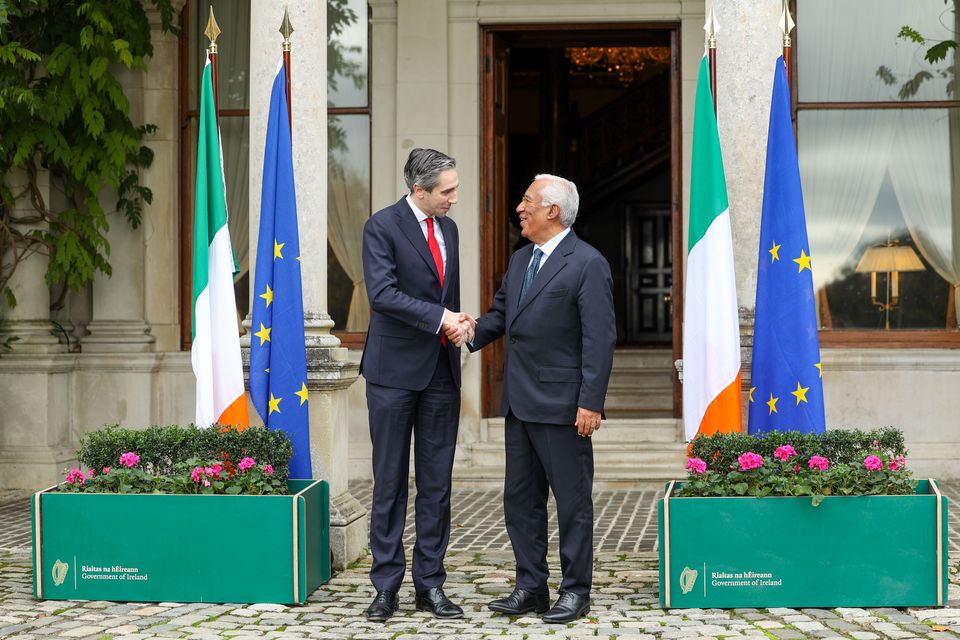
(786, 391)
(278, 357)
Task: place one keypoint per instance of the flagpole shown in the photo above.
(212, 32)
(786, 26)
(711, 28)
(286, 29)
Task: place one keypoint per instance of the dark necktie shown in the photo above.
(437, 260)
(531, 272)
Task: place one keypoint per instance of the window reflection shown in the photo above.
(850, 50)
(875, 177)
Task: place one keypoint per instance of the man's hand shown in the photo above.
(469, 325)
(587, 421)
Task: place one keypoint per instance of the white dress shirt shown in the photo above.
(437, 233)
(548, 247)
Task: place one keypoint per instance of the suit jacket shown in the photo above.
(406, 302)
(560, 338)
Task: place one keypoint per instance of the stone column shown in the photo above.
(35, 443)
(328, 371)
(118, 299)
(160, 227)
(29, 320)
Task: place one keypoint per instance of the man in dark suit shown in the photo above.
(555, 307)
(412, 370)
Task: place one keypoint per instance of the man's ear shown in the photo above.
(553, 213)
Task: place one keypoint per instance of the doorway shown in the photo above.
(598, 104)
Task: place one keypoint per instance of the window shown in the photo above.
(348, 158)
(233, 90)
(348, 151)
(879, 145)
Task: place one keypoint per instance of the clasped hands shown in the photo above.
(459, 327)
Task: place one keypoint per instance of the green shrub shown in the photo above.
(839, 463)
(161, 449)
(840, 446)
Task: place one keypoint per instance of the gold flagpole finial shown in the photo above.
(711, 27)
(212, 31)
(286, 29)
(786, 23)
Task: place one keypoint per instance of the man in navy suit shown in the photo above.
(555, 308)
(412, 370)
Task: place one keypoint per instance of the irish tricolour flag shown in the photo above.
(216, 341)
(711, 332)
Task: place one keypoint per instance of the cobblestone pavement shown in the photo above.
(480, 567)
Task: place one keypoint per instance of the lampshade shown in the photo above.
(889, 259)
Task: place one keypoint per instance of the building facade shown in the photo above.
(601, 92)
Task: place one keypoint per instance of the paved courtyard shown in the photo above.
(624, 600)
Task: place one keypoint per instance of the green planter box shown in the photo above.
(864, 551)
(181, 548)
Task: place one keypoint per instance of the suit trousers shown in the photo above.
(541, 457)
(432, 416)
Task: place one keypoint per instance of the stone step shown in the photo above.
(627, 359)
(620, 430)
(651, 477)
(609, 457)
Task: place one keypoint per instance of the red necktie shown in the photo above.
(437, 260)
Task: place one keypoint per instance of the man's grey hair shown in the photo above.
(424, 167)
(563, 193)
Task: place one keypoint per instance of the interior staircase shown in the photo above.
(639, 442)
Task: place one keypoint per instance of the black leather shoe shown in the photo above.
(569, 607)
(437, 603)
(521, 601)
(383, 606)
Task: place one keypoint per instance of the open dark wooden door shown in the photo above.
(496, 206)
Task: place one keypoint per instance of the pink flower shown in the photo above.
(873, 463)
(91, 474)
(696, 466)
(750, 460)
(268, 469)
(796, 469)
(129, 459)
(206, 483)
(75, 476)
(106, 470)
(216, 468)
(246, 463)
(197, 474)
(784, 453)
(893, 465)
(901, 461)
(818, 462)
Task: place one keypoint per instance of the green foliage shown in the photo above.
(792, 473)
(63, 110)
(167, 451)
(937, 51)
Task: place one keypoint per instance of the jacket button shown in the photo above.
(513, 340)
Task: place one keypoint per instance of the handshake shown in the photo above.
(458, 327)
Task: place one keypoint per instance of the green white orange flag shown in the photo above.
(216, 341)
(711, 329)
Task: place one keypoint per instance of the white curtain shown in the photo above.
(843, 154)
(346, 214)
(922, 172)
(843, 160)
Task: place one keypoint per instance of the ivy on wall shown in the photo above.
(63, 112)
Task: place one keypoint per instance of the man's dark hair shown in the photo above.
(424, 167)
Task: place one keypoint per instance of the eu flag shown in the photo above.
(278, 357)
(786, 391)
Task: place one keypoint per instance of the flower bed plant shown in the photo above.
(160, 483)
(182, 460)
(841, 463)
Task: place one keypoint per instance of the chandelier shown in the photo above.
(622, 63)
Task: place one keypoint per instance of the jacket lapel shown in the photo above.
(407, 221)
(553, 265)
